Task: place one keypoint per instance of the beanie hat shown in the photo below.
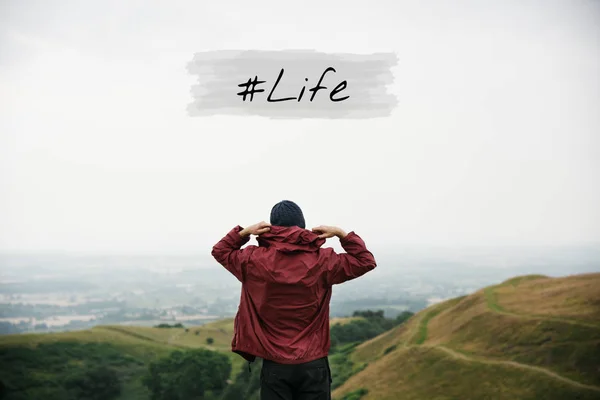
(287, 213)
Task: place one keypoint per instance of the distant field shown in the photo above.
(530, 337)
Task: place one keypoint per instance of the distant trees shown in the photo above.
(355, 331)
(210, 340)
(403, 316)
(193, 374)
(177, 325)
(371, 324)
(378, 317)
(369, 314)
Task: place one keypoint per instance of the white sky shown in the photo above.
(495, 140)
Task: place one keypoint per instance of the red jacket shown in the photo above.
(283, 314)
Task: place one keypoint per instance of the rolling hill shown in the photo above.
(126, 348)
(531, 337)
(32, 361)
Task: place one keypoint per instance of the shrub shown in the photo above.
(99, 383)
(194, 374)
(177, 325)
(389, 349)
(356, 394)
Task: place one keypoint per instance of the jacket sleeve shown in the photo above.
(356, 262)
(229, 253)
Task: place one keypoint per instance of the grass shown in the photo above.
(574, 298)
(562, 347)
(430, 313)
(468, 340)
(416, 373)
(490, 297)
(520, 279)
(142, 348)
(195, 337)
(374, 348)
(422, 331)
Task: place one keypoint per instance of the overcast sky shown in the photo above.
(495, 139)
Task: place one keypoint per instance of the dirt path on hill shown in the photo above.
(413, 331)
(415, 328)
(515, 364)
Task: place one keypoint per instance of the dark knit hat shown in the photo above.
(287, 213)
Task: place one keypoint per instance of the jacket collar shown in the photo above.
(289, 239)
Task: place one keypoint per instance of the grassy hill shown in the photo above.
(530, 337)
(126, 348)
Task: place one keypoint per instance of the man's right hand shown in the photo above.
(256, 229)
(326, 232)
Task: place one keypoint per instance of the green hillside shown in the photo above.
(530, 337)
(42, 358)
(39, 365)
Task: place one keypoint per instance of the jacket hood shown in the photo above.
(290, 239)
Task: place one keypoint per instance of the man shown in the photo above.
(283, 316)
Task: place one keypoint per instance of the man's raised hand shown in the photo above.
(326, 232)
(256, 229)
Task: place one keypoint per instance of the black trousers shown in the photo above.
(307, 381)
